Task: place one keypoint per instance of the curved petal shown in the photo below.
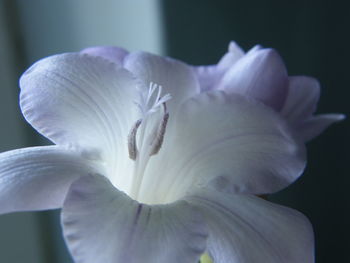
(38, 178)
(176, 78)
(234, 53)
(244, 142)
(102, 224)
(302, 98)
(83, 101)
(113, 54)
(260, 74)
(209, 76)
(303, 95)
(248, 229)
(314, 126)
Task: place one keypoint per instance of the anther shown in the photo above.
(132, 146)
(158, 140)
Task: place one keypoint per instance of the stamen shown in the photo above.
(152, 125)
(132, 146)
(158, 140)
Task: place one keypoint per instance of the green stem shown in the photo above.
(205, 258)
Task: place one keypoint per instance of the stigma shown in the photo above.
(146, 136)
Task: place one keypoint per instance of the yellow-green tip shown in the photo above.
(205, 258)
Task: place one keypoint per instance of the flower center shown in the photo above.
(147, 134)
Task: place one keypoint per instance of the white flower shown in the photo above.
(147, 168)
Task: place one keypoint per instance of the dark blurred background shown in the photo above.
(311, 36)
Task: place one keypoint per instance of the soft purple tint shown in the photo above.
(113, 54)
(261, 74)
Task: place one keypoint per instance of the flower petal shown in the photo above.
(38, 178)
(176, 78)
(314, 126)
(209, 76)
(248, 229)
(303, 95)
(234, 53)
(113, 54)
(244, 142)
(83, 101)
(260, 74)
(302, 98)
(102, 224)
